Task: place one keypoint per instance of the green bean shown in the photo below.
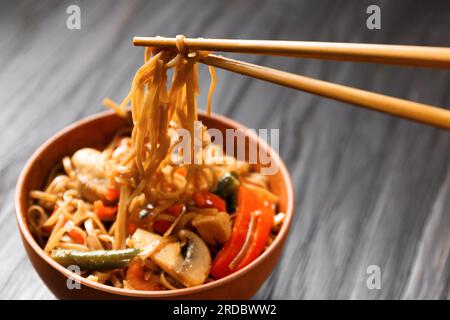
(95, 260)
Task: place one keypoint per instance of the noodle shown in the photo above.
(96, 199)
(212, 87)
(39, 195)
(120, 227)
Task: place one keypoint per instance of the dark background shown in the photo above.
(370, 189)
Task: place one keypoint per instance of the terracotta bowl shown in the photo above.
(96, 131)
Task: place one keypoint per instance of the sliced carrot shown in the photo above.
(181, 171)
(76, 236)
(136, 278)
(104, 212)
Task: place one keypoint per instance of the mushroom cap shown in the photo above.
(189, 264)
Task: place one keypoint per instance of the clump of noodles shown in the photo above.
(155, 112)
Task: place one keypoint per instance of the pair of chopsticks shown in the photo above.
(418, 56)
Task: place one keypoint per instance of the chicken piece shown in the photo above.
(214, 229)
(91, 178)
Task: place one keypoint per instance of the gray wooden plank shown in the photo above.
(370, 189)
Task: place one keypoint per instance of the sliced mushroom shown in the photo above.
(189, 263)
(214, 229)
(148, 242)
(90, 174)
(192, 268)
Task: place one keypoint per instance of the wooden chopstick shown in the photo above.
(418, 56)
(420, 112)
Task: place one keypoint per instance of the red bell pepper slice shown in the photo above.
(131, 228)
(247, 202)
(175, 210)
(205, 199)
(261, 234)
(161, 226)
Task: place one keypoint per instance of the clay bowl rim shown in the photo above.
(24, 230)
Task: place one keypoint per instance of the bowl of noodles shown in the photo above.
(122, 205)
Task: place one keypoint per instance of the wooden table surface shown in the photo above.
(370, 189)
